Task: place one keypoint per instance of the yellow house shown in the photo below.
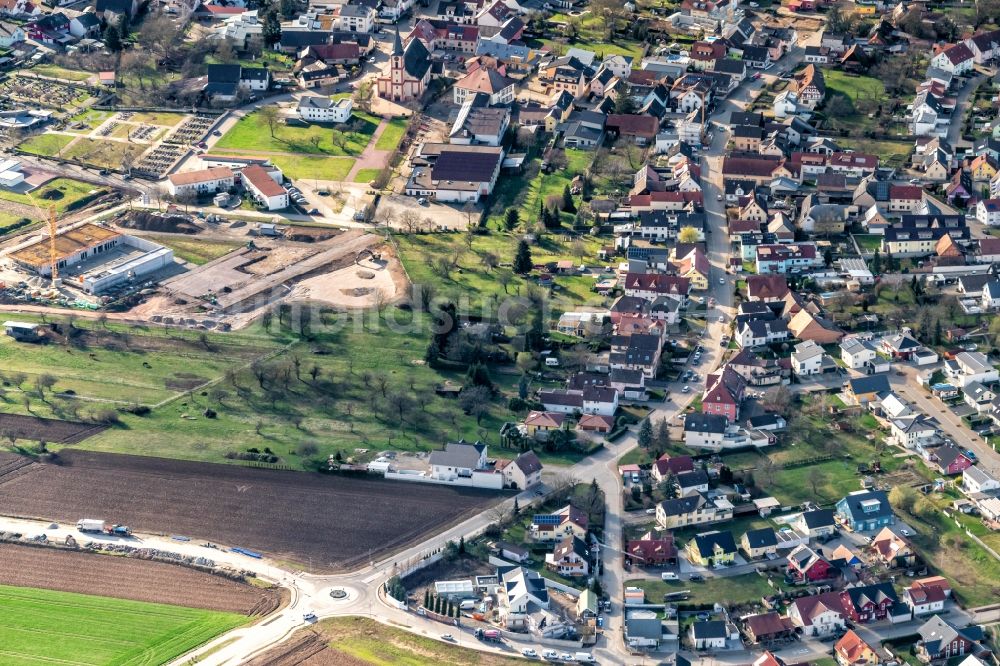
(536, 422)
(712, 549)
(554, 527)
(865, 10)
(983, 168)
(758, 544)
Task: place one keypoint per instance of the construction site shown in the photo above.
(150, 266)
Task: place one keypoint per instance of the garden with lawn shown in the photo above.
(60, 192)
(392, 134)
(252, 133)
(195, 251)
(728, 591)
(103, 154)
(313, 167)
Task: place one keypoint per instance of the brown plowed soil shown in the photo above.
(46, 430)
(125, 578)
(331, 522)
(310, 649)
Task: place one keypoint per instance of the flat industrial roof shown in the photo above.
(68, 243)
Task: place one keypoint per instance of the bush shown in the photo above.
(307, 450)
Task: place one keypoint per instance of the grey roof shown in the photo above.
(315, 102)
(706, 542)
(416, 59)
(710, 629)
(977, 361)
(457, 455)
(869, 384)
(692, 479)
(877, 499)
(683, 505)
(460, 165)
(818, 518)
(711, 423)
(936, 634)
(761, 538)
(223, 73)
(992, 289)
(88, 20)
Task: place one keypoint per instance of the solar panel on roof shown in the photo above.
(547, 519)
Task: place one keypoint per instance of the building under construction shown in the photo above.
(92, 257)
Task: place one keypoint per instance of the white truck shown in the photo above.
(90, 525)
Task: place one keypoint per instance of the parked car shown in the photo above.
(528, 652)
(550, 655)
(696, 578)
(447, 637)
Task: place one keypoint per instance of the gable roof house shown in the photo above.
(818, 614)
(891, 549)
(941, 640)
(852, 650)
(869, 603)
(805, 565)
(712, 549)
(570, 557)
(864, 510)
(652, 551)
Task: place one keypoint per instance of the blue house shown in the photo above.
(865, 510)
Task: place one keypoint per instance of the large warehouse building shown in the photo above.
(93, 258)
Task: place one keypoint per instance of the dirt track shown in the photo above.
(331, 522)
(124, 578)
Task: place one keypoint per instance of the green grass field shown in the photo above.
(196, 251)
(853, 88)
(342, 410)
(46, 145)
(47, 627)
(727, 591)
(62, 192)
(366, 175)
(57, 72)
(478, 285)
(313, 167)
(252, 133)
(392, 134)
(157, 118)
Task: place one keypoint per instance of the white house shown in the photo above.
(909, 430)
(356, 18)
(324, 109)
(956, 59)
(705, 430)
(203, 181)
(991, 296)
(988, 212)
(856, 353)
(819, 614)
(523, 472)
(971, 367)
(978, 480)
(807, 359)
(518, 591)
(600, 400)
(263, 186)
(709, 635)
(82, 26)
(457, 460)
(757, 332)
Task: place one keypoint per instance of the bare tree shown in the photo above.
(268, 114)
(489, 260)
(475, 401)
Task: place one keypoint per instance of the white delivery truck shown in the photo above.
(90, 525)
(585, 658)
(468, 604)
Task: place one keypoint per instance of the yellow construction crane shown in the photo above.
(53, 230)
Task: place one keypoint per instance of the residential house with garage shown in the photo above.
(760, 543)
(941, 640)
(760, 332)
(857, 353)
(978, 480)
(913, 430)
(865, 510)
(869, 603)
(692, 510)
(570, 557)
(969, 367)
(991, 296)
(807, 359)
(979, 397)
(705, 431)
(818, 614)
(712, 549)
(927, 595)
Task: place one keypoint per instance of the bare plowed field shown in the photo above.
(124, 578)
(331, 522)
(46, 430)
